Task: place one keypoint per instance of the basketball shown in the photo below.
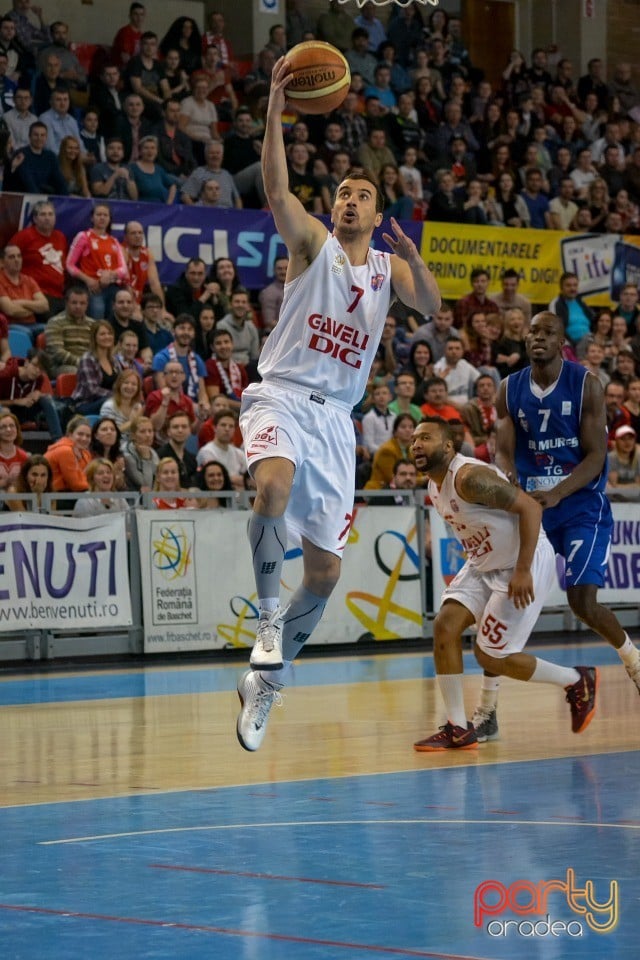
(321, 77)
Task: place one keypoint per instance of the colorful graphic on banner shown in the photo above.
(622, 579)
(198, 590)
(173, 579)
(62, 572)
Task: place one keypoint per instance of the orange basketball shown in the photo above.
(321, 77)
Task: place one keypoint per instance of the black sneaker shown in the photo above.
(486, 725)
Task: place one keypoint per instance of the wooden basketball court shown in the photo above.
(134, 825)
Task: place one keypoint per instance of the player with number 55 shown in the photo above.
(508, 573)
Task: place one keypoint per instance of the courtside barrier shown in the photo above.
(161, 581)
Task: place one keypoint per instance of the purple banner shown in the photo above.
(177, 233)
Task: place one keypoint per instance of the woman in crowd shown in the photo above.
(140, 459)
(154, 184)
(396, 201)
(624, 465)
(223, 272)
(184, 36)
(101, 481)
(476, 345)
(598, 201)
(500, 162)
(511, 351)
(175, 82)
(12, 456)
(72, 167)
(389, 452)
(97, 371)
(474, 205)
(420, 364)
(619, 338)
(198, 116)
(628, 211)
(214, 477)
(600, 333)
(70, 456)
(205, 323)
(106, 442)
(428, 108)
(36, 477)
(167, 485)
(632, 404)
(126, 402)
(97, 259)
(507, 208)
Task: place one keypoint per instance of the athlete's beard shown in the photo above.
(435, 462)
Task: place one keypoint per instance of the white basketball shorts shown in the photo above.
(316, 433)
(503, 628)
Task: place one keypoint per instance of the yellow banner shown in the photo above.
(452, 251)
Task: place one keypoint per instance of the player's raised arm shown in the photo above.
(412, 280)
(302, 233)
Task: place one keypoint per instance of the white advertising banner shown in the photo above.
(198, 589)
(622, 578)
(62, 572)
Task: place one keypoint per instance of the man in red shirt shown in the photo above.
(214, 37)
(224, 376)
(126, 43)
(476, 300)
(21, 382)
(437, 404)
(44, 252)
(143, 272)
(162, 404)
(21, 299)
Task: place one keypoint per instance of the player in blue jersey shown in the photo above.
(552, 439)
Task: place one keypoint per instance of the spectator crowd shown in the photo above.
(147, 377)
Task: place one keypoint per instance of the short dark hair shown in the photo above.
(444, 425)
(479, 272)
(79, 289)
(510, 274)
(184, 318)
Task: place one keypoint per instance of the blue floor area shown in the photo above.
(386, 865)
(155, 682)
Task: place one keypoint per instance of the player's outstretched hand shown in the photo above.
(280, 77)
(402, 245)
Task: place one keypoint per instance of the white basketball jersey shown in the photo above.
(330, 324)
(490, 538)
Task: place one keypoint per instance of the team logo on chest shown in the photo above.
(338, 264)
(376, 282)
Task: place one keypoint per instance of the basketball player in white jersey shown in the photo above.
(509, 570)
(297, 428)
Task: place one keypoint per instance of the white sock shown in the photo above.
(451, 689)
(489, 693)
(628, 652)
(547, 672)
(268, 605)
(277, 677)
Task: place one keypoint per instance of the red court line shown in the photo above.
(267, 876)
(230, 932)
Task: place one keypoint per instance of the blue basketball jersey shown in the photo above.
(548, 442)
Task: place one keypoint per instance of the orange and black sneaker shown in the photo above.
(449, 737)
(581, 697)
